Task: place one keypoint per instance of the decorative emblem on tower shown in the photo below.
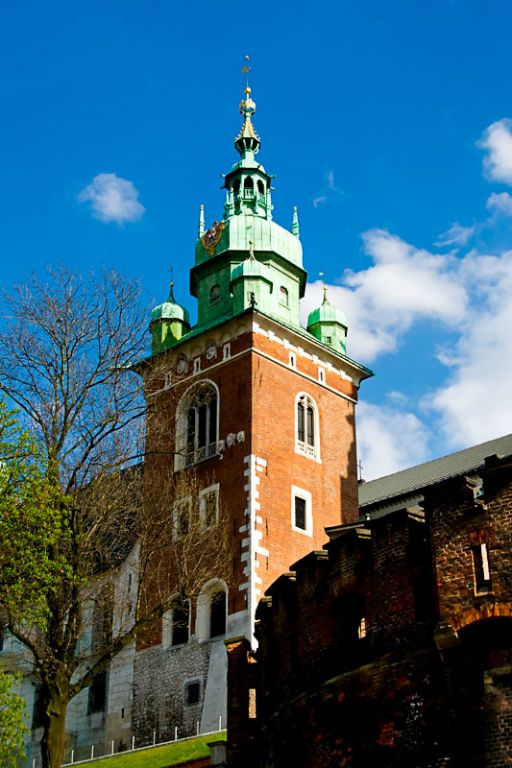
(211, 237)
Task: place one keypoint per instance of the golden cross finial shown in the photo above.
(246, 69)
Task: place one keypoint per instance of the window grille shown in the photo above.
(300, 513)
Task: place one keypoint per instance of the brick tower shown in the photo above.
(261, 411)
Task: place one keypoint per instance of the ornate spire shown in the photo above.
(200, 230)
(247, 140)
(295, 222)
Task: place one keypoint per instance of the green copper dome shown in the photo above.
(328, 325)
(170, 310)
(326, 312)
(169, 323)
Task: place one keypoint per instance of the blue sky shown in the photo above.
(387, 124)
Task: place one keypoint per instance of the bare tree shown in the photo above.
(68, 355)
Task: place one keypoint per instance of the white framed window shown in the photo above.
(283, 296)
(321, 375)
(209, 506)
(181, 512)
(301, 511)
(293, 360)
(197, 424)
(197, 365)
(307, 427)
(226, 351)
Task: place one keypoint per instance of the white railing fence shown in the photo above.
(85, 754)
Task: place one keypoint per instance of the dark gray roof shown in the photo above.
(416, 478)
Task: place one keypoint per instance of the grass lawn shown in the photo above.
(159, 757)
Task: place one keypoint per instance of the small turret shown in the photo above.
(328, 325)
(169, 322)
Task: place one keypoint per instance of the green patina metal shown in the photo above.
(169, 323)
(328, 325)
(247, 259)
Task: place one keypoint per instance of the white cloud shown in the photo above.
(456, 235)
(497, 140)
(319, 200)
(475, 404)
(405, 284)
(389, 440)
(112, 199)
(500, 203)
(330, 179)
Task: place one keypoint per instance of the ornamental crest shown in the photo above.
(211, 238)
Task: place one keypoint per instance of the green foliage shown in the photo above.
(12, 728)
(33, 528)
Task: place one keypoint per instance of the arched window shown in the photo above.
(261, 187)
(283, 296)
(211, 610)
(236, 187)
(307, 438)
(197, 426)
(248, 186)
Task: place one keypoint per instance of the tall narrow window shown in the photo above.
(218, 614)
(181, 517)
(302, 516)
(180, 622)
(306, 438)
(283, 296)
(197, 425)
(98, 693)
(482, 569)
(209, 506)
(300, 513)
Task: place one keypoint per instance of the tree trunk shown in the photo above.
(53, 743)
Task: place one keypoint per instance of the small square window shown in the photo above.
(192, 693)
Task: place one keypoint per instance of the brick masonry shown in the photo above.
(380, 649)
